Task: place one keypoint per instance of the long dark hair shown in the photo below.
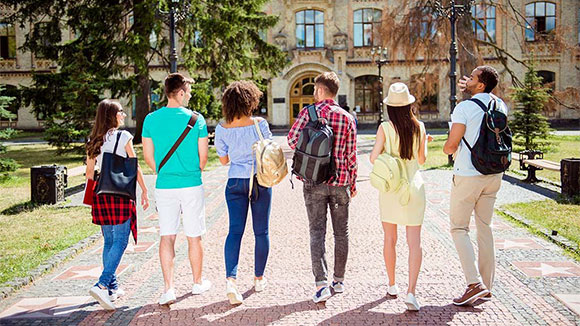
(407, 127)
(105, 120)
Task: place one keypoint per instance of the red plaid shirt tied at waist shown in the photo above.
(344, 147)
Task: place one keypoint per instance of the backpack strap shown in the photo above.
(479, 103)
(484, 108)
(312, 112)
(190, 124)
(254, 160)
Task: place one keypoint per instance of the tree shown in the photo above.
(112, 50)
(6, 165)
(419, 34)
(530, 128)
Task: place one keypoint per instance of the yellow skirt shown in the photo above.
(411, 214)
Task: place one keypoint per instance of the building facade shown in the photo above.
(339, 35)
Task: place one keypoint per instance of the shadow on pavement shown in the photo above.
(428, 315)
(531, 187)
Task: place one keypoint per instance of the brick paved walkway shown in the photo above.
(534, 278)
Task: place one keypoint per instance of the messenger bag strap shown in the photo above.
(189, 126)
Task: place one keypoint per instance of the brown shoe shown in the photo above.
(486, 297)
(473, 292)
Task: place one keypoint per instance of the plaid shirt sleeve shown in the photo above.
(294, 132)
(351, 158)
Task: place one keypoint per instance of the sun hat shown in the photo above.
(398, 95)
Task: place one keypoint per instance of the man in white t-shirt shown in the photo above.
(472, 191)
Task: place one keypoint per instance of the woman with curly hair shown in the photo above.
(233, 142)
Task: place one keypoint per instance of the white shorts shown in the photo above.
(189, 202)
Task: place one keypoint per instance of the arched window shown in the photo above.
(7, 41)
(366, 28)
(540, 20)
(310, 29)
(485, 15)
(366, 93)
(426, 89)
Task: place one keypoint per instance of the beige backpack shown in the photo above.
(271, 163)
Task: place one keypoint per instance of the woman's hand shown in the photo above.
(144, 200)
(429, 138)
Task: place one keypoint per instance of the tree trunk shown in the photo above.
(467, 54)
(142, 103)
(142, 28)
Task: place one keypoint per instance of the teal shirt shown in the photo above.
(164, 127)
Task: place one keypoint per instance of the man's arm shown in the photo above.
(455, 135)
(351, 157)
(148, 151)
(203, 148)
(294, 132)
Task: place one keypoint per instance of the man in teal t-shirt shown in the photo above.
(178, 189)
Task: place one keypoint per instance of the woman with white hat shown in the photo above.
(404, 137)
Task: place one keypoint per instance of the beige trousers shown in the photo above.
(474, 194)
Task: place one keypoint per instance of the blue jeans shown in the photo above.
(238, 203)
(116, 239)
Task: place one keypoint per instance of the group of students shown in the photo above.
(175, 145)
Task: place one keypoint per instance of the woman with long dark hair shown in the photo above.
(405, 136)
(116, 215)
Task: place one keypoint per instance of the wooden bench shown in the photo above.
(533, 161)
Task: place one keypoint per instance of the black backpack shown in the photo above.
(492, 152)
(313, 160)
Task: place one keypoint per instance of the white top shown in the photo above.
(109, 145)
(470, 114)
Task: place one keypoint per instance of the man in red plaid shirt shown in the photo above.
(336, 192)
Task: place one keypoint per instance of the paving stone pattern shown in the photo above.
(536, 283)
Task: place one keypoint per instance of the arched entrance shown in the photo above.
(301, 95)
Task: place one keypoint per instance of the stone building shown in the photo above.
(339, 35)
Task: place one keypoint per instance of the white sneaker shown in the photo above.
(393, 290)
(260, 284)
(412, 303)
(322, 294)
(168, 297)
(199, 288)
(102, 296)
(233, 294)
(115, 294)
(338, 287)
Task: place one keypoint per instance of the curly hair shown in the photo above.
(489, 77)
(105, 120)
(240, 99)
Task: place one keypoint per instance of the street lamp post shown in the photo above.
(379, 57)
(178, 10)
(452, 12)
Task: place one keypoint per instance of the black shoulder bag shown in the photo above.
(118, 175)
(189, 126)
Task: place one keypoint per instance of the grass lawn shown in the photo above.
(564, 218)
(40, 234)
(43, 230)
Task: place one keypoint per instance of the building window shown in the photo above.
(540, 20)
(548, 80)
(485, 15)
(7, 41)
(367, 23)
(310, 29)
(366, 93)
(426, 89)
